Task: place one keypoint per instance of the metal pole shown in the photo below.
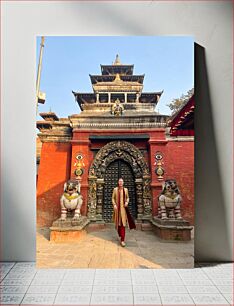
(39, 69)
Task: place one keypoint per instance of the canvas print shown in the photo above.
(115, 152)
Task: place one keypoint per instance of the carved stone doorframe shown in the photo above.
(132, 155)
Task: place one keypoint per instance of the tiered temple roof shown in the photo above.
(117, 81)
(117, 67)
(117, 102)
(110, 78)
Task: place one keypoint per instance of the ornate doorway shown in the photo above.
(114, 171)
(104, 173)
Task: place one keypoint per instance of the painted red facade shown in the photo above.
(58, 159)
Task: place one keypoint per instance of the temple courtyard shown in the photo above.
(100, 249)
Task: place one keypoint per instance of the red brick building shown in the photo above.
(117, 134)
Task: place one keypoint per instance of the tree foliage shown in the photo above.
(177, 103)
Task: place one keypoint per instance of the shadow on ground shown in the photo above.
(101, 249)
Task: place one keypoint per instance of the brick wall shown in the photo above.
(179, 165)
(57, 165)
(54, 170)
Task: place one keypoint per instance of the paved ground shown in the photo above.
(208, 284)
(101, 249)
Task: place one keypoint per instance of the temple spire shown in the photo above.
(117, 60)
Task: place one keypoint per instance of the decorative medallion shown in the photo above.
(159, 170)
(79, 172)
(79, 164)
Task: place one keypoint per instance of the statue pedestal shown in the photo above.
(143, 225)
(68, 230)
(172, 229)
(95, 226)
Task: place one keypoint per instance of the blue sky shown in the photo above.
(166, 61)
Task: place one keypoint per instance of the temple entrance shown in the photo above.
(115, 159)
(114, 171)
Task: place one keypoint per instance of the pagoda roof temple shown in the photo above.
(117, 101)
(113, 69)
(117, 82)
(90, 98)
(117, 67)
(111, 77)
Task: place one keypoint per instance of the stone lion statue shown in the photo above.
(71, 200)
(169, 201)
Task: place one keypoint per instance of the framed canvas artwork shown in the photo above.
(115, 152)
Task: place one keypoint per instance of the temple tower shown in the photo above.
(118, 85)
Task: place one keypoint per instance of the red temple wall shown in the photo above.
(178, 158)
(54, 170)
(180, 166)
(82, 146)
(58, 165)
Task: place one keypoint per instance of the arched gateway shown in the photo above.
(115, 170)
(115, 159)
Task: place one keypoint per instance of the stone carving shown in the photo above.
(126, 151)
(99, 196)
(71, 200)
(146, 188)
(115, 150)
(92, 198)
(139, 193)
(147, 197)
(147, 207)
(117, 108)
(169, 201)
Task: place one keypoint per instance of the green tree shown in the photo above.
(178, 103)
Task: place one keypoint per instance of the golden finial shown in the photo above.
(117, 60)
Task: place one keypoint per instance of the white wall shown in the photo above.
(211, 25)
